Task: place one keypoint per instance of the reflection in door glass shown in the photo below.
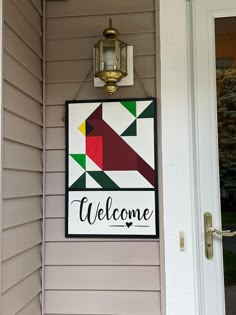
(225, 31)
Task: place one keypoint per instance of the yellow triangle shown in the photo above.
(82, 128)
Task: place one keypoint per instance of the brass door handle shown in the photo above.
(209, 232)
(226, 233)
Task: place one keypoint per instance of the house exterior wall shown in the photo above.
(22, 158)
(94, 276)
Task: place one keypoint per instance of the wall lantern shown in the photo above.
(110, 59)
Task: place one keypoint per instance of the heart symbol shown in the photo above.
(128, 224)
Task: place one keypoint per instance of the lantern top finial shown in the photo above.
(110, 32)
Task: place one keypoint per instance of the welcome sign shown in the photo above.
(111, 168)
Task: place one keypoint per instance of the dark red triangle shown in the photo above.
(97, 114)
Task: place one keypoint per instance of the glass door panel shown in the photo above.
(225, 35)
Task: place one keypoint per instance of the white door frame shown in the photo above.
(178, 164)
(188, 274)
(206, 126)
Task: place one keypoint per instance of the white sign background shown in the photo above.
(129, 200)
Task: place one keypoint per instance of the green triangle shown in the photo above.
(80, 159)
(131, 130)
(130, 106)
(80, 182)
(148, 112)
(102, 179)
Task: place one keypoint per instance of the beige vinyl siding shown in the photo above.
(102, 302)
(38, 5)
(33, 307)
(83, 51)
(93, 275)
(77, 8)
(22, 158)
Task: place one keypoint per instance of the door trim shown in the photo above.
(182, 157)
(178, 165)
(211, 292)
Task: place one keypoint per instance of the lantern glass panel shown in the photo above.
(98, 65)
(123, 57)
(109, 55)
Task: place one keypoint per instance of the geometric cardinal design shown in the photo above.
(109, 151)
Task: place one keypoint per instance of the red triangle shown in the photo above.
(94, 150)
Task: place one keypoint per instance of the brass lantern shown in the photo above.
(110, 64)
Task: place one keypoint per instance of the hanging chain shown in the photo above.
(146, 93)
(82, 83)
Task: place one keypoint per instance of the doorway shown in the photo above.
(215, 116)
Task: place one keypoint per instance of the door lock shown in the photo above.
(209, 232)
